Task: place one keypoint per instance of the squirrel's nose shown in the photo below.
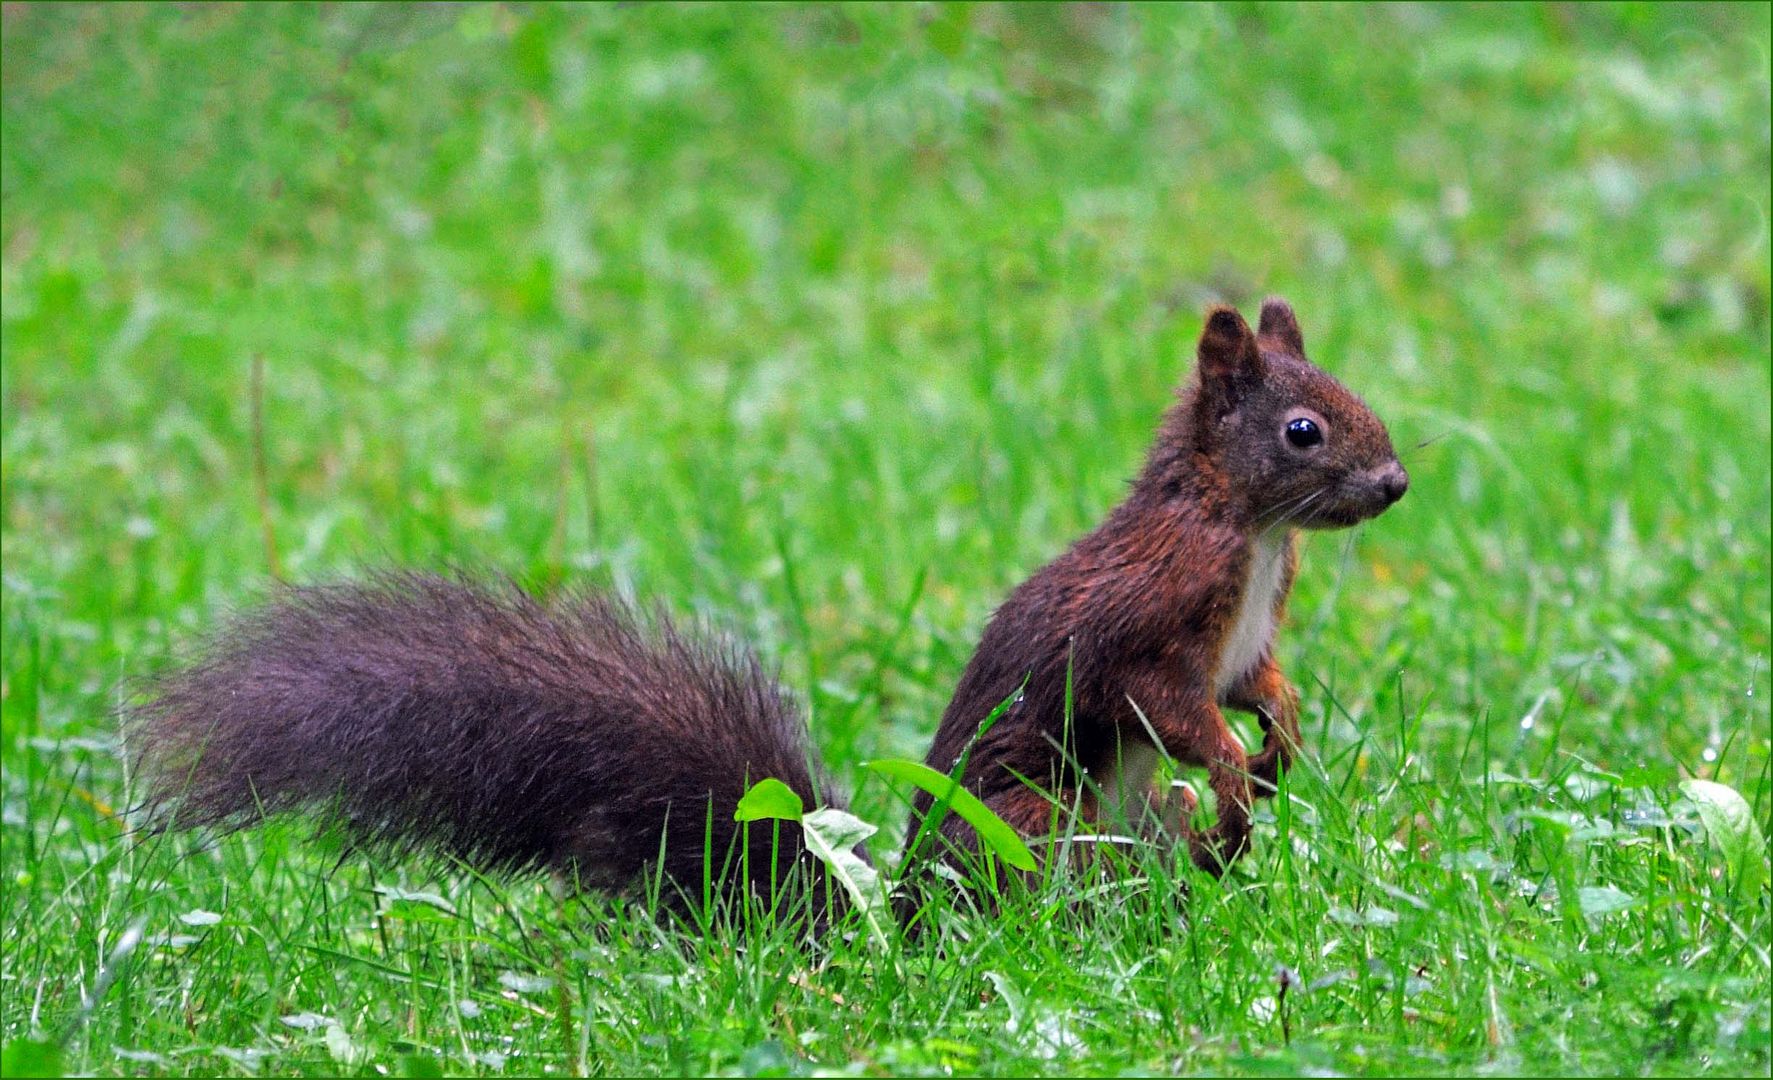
(1395, 481)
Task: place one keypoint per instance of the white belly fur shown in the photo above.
(1254, 629)
(1125, 781)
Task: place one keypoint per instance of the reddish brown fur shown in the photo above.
(433, 714)
(1136, 614)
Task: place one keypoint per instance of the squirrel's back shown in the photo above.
(473, 721)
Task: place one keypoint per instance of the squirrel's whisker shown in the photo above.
(1432, 439)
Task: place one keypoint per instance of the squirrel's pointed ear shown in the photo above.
(1280, 324)
(1230, 364)
(1228, 350)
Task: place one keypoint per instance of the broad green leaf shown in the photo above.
(1475, 859)
(526, 984)
(832, 836)
(993, 831)
(769, 798)
(199, 917)
(1733, 831)
(420, 1066)
(414, 906)
(414, 912)
(305, 1021)
(1368, 916)
(32, 1057)
(1603, 900)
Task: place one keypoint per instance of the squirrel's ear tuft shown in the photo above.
(1227, 348)
(1279, 324)
(1230, 366)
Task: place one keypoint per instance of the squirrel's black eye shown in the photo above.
(1304, 433)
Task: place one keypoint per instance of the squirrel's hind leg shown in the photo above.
(1174, 808)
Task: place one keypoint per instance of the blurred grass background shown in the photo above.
(830, 323)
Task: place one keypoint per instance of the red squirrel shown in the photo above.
(1165, 614)
(440, 715)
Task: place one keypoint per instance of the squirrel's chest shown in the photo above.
(1254, 629)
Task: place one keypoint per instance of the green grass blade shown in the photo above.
(993, 831)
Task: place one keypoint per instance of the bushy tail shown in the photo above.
(427, 714)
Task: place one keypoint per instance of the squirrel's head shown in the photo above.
(1293, 444)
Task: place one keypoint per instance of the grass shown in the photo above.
(828, 325)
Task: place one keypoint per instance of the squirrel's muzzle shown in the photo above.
(1394, 481)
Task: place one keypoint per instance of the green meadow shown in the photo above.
(824, 326)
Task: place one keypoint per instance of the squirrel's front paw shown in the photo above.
(1276, 753)
(1280, 743)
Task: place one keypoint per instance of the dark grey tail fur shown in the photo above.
(435, 715)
